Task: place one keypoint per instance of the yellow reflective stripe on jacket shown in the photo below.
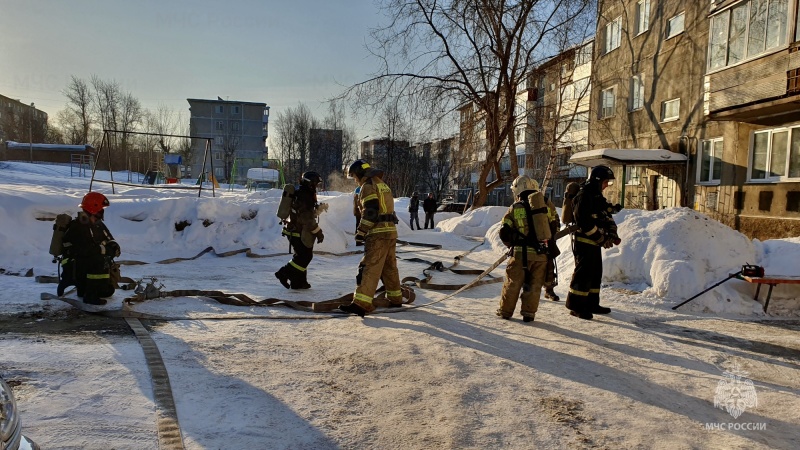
(586, 240)
(367, 222)
(363, 298)
(369, 197)
(289, 233)
(383, 189)
(383, 229)
(521, 218)
(97, 276)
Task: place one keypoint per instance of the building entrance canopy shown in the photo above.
(626, 156)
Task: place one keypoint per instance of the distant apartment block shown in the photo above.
(239, 131)
(21, 122)
(325, 152)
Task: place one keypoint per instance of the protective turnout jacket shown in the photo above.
(592, 214)
(516, 232)
(303, 216)
(377, 207)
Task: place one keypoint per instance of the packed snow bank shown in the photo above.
(475, 223)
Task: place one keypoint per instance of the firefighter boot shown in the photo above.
(601, 310)
(352, 308)
(299, 281)
(93, 299)
(283, 276)
(550, 294)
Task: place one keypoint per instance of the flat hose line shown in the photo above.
(325, 306)
(167, 425)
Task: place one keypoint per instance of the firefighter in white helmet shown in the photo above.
(526, 231)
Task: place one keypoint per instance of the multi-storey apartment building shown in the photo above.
(647, 94)
(715, 82)
(21, 122)
(556, 118)
(747, 169)
(239, 131)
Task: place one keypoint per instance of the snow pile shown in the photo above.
(475, 223)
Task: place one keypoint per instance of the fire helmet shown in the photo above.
(311, 178)
(523, 183)
(600, 174)
(357, 169)
(94, 202)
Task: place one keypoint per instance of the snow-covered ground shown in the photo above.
(449, 375)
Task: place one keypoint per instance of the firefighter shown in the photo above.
(88, 252)
(303, 231)
(526, 230)
(551, 274)
(377, 232)
(597, 230)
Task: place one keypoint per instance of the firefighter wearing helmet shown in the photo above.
(597, 230)
(303, 231)
(378, 234)
(88, 252)
(526, 231)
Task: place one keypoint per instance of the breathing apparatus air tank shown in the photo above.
(59, 228)
(539, 214)
(285, 206)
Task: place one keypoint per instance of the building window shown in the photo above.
(607, 102)
(580, 122)
(642, 16)
(675, 25)
(219, 172)
(709, 164)
(747, 30)
(581, 88)
(632, 175)
(219, 109)
(670, 110)
(637, 92)
(775, 154)
(234, 110)
(584, 55)
(220, 125)
(612, 34)
(217, 156)
(235, 126)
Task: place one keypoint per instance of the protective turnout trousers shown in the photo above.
(584, 289)
(378, 263)
(515, 279)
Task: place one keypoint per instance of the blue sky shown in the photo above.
(163, 52)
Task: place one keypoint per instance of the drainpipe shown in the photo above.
(622, 190)
(688, 160)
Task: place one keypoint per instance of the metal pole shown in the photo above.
(30, 131)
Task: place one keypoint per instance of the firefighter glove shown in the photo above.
(110, 248)
(321, 208)
(319, 236)
(360, 238)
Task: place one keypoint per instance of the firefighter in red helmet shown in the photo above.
(88, 252)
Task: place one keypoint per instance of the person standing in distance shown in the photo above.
(413, 211)
(429, 206)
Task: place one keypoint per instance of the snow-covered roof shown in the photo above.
(49, 147)
(620, 156)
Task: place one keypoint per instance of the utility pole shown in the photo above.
(30, 131)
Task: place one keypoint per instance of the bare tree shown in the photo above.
(292, 129)
(471, 51)
(79, 103)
